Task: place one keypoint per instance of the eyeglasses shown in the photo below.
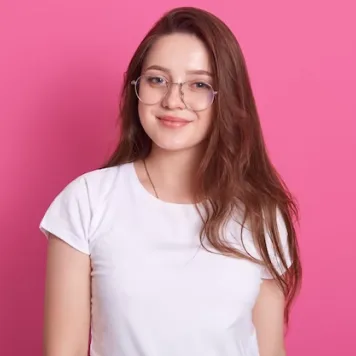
(196, 95)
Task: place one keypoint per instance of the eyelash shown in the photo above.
(161, 80)
(152, 79)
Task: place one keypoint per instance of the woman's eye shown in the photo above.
(200, 85)
(156, 80)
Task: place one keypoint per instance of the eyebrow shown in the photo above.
(198, 71)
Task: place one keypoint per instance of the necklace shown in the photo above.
(149, 177)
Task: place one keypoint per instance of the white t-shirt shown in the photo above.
(155, 290)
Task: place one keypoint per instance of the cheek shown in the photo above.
(142, 111)
(145, 115)
(205, 119)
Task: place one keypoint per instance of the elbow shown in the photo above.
(64, 350)
(282, 353)
(59, 353)
(279, 352)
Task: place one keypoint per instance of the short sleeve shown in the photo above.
(68, 217)
(283, 234)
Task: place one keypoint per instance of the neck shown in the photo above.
(173, 173)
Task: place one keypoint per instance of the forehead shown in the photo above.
(179, 53)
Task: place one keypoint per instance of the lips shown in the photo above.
(173, 121)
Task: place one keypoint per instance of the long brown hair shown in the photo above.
(236, 168)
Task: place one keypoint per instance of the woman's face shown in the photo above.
(180, 118)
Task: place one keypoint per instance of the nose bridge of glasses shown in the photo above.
(172, 85)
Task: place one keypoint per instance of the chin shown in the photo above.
(176, 146)
(179, 139)
(172, 147)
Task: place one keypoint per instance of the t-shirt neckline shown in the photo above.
(151, 198)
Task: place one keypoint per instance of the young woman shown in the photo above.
(184, 243)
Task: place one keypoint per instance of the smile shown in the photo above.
(171, 121)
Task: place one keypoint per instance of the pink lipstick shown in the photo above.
(171, 121)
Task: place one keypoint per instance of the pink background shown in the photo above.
(61, 67)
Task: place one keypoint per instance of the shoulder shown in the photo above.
(100, 181)
(70, 215)
(101, 176)
(87, 191)
(96, 184)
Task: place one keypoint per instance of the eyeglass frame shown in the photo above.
(134, 82)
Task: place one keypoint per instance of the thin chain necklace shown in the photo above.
(149, 177)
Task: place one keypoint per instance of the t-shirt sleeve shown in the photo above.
(68, 217)
(277, 263)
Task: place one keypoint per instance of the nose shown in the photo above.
(174, 97)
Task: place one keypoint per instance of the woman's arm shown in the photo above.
(268, 318)
(67, 301)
